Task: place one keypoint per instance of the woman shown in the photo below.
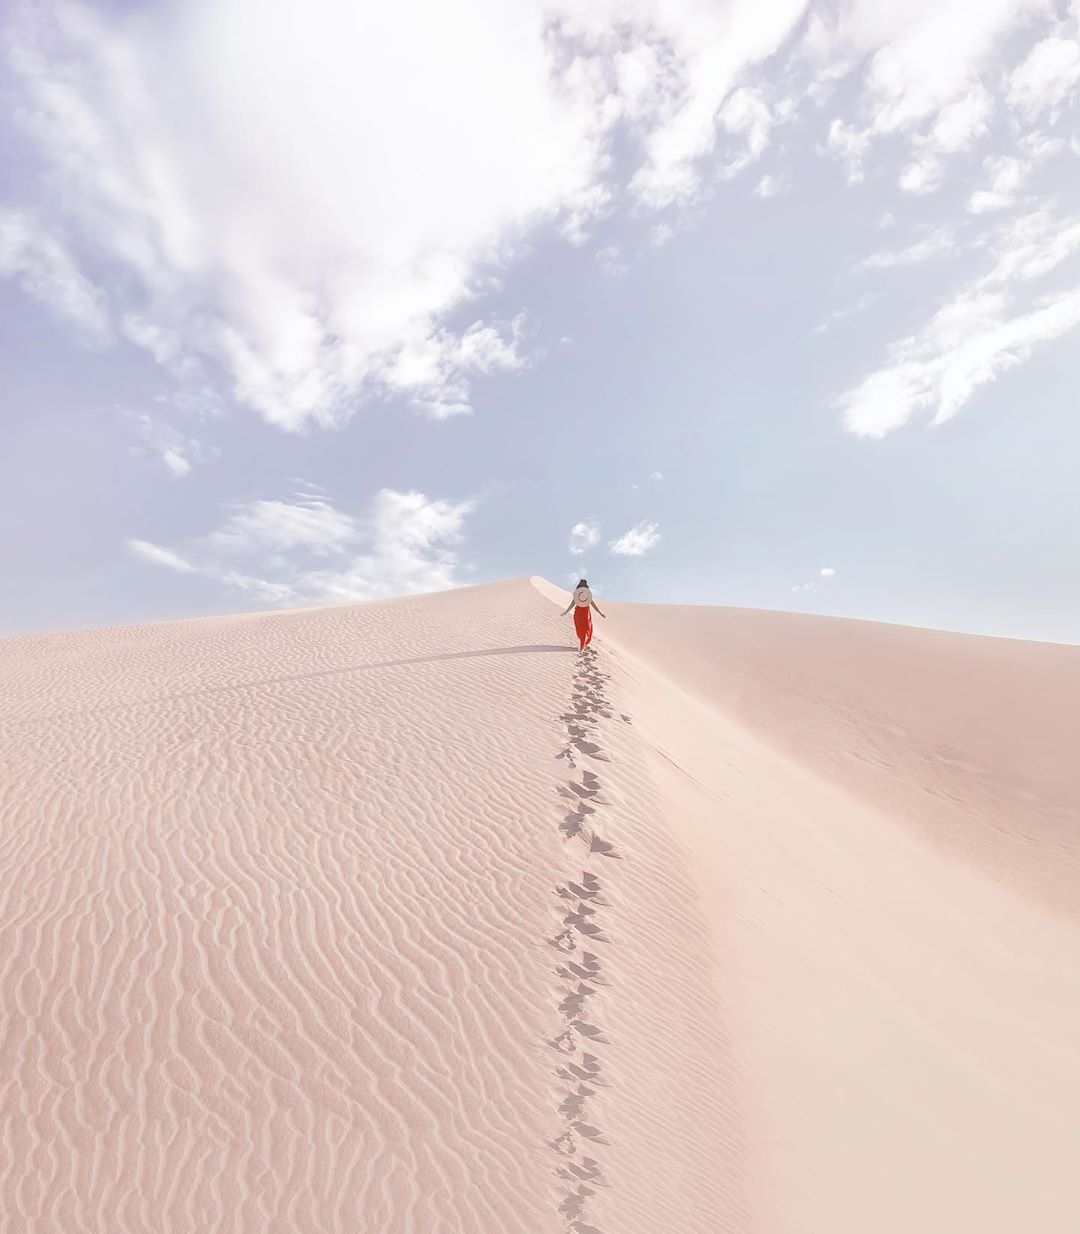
(581, 603)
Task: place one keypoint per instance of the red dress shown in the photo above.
(583, 623)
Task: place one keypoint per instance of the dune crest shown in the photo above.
(406, 917)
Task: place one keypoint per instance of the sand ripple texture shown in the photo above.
(275, 900)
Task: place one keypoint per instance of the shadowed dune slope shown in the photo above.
(403, 917)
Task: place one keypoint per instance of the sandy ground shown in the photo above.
(406, 918)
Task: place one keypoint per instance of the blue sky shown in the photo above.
(771, 305)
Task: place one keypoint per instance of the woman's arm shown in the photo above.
(567, 609)
(594, 606)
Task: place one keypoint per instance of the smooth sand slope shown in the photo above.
(405, 918)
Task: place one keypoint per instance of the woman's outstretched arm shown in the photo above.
(594, 606)
(567, 609)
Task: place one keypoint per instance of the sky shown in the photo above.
(759, 303)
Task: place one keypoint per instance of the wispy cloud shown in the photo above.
(176, 450)
(866, 299)
(1046, 78)
(274, 527)
(637, 541)
(772, 185)
(46, 271)
(160, 556)
(990, 325)
(305, 550)
(935, 243)
(610, 260)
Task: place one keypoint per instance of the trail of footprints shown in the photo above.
(581, 968)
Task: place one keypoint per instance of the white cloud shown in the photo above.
(924, 175)
(402, 545)
(175, 449)
(434, 371)
(583, 536)
(1046, 78)
(747, 116)
(850, 146)
(771, 185)
(970, 342)
(850, 311)
(164, 345)
(1031, 246)
(609, 260)
(989, 326)
(923, 81)
(160, 556)
(409, 538)
(961, 123)
(933, 244)
(637, 541)
(306, 522)
(179, 464)
(46, 271)
(823, 576)
(712, 46)
(660, 234)
(929, 56)
(316, 264)
(957, 127)
(1039, 146)
(285, 260)
(657, 475)
(1006, 175)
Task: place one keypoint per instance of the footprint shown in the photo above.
(572, 1071)
(574, 1004)
(586, 1169)
(589, 1030)
(580, 969)
(574, 1204)
(572, 825)
(564, 941)
(570, 1107)
(602, 848)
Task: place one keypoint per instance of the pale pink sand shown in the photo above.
(972, 742)
(278, 893)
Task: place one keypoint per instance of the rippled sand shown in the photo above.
(405, 918)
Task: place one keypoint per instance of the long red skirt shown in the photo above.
(583, 624)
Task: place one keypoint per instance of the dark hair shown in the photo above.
(582, 582)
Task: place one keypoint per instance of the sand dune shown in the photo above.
(405, 918)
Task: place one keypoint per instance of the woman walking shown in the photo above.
(581, 604)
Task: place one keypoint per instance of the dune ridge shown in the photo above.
(405, 917)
